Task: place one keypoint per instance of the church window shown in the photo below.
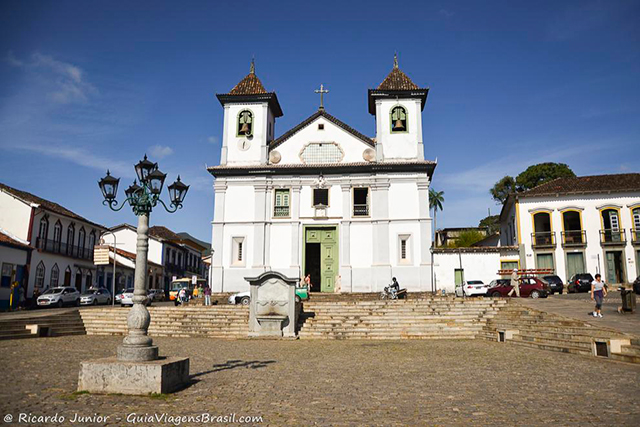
(405, 249)
(361, 201)
(40, 270)
(238, 251)
(281, 206)
(320, 197)
(398, 119)
(321, 152)
(245, 123)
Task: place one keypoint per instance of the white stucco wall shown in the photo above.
(256, 142)
(14, 215)
(399, 145)
(476, 266)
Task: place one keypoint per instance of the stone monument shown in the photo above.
(273, 311)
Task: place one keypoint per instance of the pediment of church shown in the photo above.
(321, 139)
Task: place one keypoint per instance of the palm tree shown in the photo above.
(435, 202)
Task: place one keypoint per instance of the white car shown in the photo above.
(243, 298)
(95, 297)
(126, 298)
(59, 297)
(472, 287)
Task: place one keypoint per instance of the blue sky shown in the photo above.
(86, 86)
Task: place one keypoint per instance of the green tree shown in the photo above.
(492, 222)
(467, 238)
(541, 173)
(436, 198)
(503, 188)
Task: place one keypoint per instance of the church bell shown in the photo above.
(398, 125)
(245, 129)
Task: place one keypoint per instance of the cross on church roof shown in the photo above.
(321, 91)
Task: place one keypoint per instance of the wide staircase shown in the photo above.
(33, 325)
(221, 321)
(547, 331)
(414, 318)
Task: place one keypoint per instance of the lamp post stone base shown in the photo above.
(110, 375)
(132, 353)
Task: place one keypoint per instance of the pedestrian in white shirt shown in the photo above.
(598, 292)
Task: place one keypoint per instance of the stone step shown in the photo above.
(622, 357)
(551, 347)
(631, 350)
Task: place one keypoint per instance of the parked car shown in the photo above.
(156, 294)
(127, 298)
(580, 283)
(95, 297)
(636, 285)
(118, 296)
(471, 287)
(59, 297)
(555, 283)
(529, 287)
(244, 298)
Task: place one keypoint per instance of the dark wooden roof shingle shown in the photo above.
(617, 183)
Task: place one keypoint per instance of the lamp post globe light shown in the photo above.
(137, 346)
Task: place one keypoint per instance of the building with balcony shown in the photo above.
(586, 224)
(63, 241)
(178, 256)
(322, 198)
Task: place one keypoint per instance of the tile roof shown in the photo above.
(618, 183)
(396, 79)
(46, 204)
(7, 240)
(250, 85)
(475, 249)
(320, 113)
(163, 233)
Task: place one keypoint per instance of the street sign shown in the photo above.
(101, 255)
(194, 279)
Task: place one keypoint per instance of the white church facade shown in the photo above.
(323, 199)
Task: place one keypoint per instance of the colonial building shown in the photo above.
(323, 199)
(578, 225)
(179, 256)
(63, 240)
(14, 259)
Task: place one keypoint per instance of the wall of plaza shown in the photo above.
(368, 245)
(597, 240)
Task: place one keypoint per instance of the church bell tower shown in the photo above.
(249, 121)
(397, 104)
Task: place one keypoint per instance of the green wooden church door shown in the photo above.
(329, 259)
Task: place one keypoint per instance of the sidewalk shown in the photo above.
(579, 306)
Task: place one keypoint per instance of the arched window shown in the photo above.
(40, 271)
(398, 119)
(55, 276)
(89, 280)
(92, 240)
(43, 232)
(81, 242)
(245, 123)
(71, 236)
(635, 233)
(57, 236)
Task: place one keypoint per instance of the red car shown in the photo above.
(529, 287)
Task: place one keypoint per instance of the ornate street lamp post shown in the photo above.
(137, 346)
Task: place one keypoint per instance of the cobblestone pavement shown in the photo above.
(580, 304)
(336, 383)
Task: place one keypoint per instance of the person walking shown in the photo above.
(598, 292)
(515, 287)
(207, 295)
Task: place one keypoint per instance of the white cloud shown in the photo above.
(160, 151)
(212, 139)
(83, 157)
(65, 82)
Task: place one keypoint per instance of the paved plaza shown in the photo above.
(335, 383)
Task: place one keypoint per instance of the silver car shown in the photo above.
(59, 297)
(95, 297)
(127, 298)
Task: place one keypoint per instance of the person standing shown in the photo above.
(598, 292)
(207, 295)
(307, 282)
(515, 286)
